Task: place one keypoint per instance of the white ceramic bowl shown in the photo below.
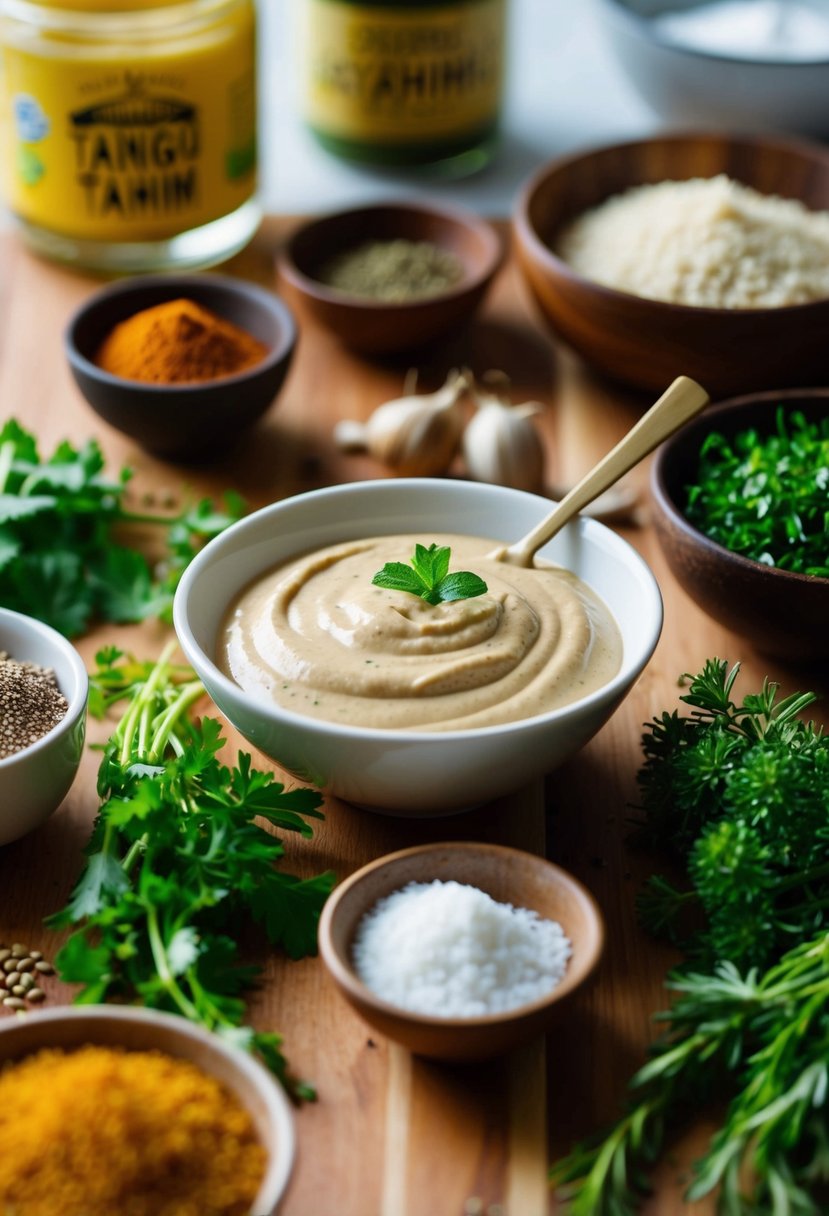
(723, 91)
(406, 772)
(34, 782)
(148, 1030)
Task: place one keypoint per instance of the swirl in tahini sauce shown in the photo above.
(315, 636)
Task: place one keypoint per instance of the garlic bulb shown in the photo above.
(502, 445)
(417, 435)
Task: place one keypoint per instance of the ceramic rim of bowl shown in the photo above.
(644, 26)
(74, 707)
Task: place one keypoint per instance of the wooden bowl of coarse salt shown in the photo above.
(710, 260)
(460, 951)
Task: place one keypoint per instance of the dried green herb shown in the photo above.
(397, 271)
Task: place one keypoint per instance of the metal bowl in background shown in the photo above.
(728, 91)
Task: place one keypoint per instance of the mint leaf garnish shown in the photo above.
(428, 577)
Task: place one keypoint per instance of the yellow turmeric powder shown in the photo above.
(178, 342)
(106, 1132)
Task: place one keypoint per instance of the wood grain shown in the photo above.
(391, 1135)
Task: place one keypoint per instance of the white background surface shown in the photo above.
(563, 91)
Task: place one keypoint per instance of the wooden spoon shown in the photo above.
(681, 402)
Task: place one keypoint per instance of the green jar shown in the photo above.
(417, 83)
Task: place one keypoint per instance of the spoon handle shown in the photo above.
(677, 405)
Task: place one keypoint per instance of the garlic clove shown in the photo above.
(501, 445)
(350, 436)
(416, 435)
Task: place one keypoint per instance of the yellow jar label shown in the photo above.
(403, 75)
(120, 143)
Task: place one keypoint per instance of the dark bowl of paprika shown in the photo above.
(181, 363)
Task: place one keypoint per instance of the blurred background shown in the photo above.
(564, 89)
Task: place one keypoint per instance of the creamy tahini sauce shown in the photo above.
(315, 636)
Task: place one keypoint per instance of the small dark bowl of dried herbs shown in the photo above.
(741, 511)
(392, 276)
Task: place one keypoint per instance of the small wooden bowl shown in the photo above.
(379, 326)
(648, 342)
(509, 876)
(147, 1030)
(182, 421)
(780, 613)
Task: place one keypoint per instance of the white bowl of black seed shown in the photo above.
(43, 694)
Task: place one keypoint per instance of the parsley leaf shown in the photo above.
(428, 577)
(64, 527)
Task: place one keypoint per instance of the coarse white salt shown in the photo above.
(450, 950)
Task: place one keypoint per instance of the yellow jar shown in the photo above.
(129, 129)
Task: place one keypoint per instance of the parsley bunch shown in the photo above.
(176, 862)
(767, 497)
(739, 794)
(60, 520)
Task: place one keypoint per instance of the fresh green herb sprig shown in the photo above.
(176, 862)
(761, 1039)
(428, 577)
(766, 497)
(739, 794)
(62, 528)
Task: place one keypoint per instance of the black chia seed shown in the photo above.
(31, 704)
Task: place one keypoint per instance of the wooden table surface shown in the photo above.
(391, 1135)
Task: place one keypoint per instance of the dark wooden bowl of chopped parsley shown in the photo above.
(741, 511)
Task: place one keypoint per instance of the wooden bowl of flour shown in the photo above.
(647, 342)
(509, 876)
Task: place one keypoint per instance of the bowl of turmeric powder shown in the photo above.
(108, 1109)
(181, 363)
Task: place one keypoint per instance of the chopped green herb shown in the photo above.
(766, 497)
(739, 794)
(428, 577)
(176, 861)
(62, 528)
